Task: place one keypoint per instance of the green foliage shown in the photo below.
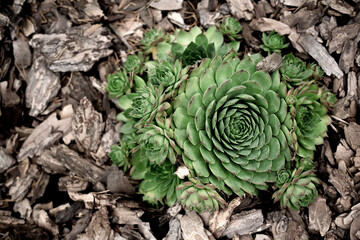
(118, 84)
(160, 183)
(294, 71)
(190, 102)
(298, 191)
(231, 28)
(273, 43)
(200, 197)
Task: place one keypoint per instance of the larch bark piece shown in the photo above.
(42, 219)
(319, 216)
(167, 5)
(70, 184)
(244, 223)
(352, 85)
(117, 182)
(267, 24)
(22, 54)
(341, 180)
(220, 219)
(80, 225)
(321, 55)
(347, 57)
(75, 50)
(24, 208)
(270, 63)
(82, 11)
(129, 216)
(92, 200)
(340, 6)
(341, 34)
(50, 164)
(88, 126)
(192, 226)
(326, 26)
(352, 135)
(82, 167)
(241, 9)
(303, 18)
(6, 161)
(43, 86)
(43, 136)
(174, 232)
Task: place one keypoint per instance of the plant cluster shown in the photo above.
(189, 102)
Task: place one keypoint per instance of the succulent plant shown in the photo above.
(328, 99)
(310, 119)
(298, 191)
(160, 183)
(294, 71)
(273, 43)
(119, 155)
(146, 103)
(283, 176)
(133, 64)
(169, 75)
(232, 123)
(200, 197)
(118, 84)
(305, 164)
(195, 45)
(151, 38)
(231, 27)
(157, 142)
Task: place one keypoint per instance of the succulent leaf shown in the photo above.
(294, 71)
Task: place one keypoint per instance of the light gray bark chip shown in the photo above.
(319, 216)
(43, 86)
(44, 135)
(50, 164)
(244, 223)
(99, 226)
(80, 166)
(6, 161)
(241, 9)
(79, 226)
(4, 22)
(270, 63)
(303, 18)
(321, 55)
(167, 5)
(75, 50)
(22, 54)
(341, 180)
(174, 232)
(82, 11)
(192, 226)
(352, 135)
(88, 126)
(341, 34)
(268, 24)
(340, 6)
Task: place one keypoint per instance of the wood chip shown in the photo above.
(241, 9)
(319, 216)
(167, 5)
(270, 63)
(321, 55)
(352, 135)
(220, 219)
(126, 215)
(341, 34)
(22, 54)
(267, 25)
(117, 182)
(88, 126)
(244, 223)
(303, 18)
(43, 86)
(6, 161)
(339, 6)
(81, 167)
(192, 226)
(340, 179)
(43, 136)
(75, 50)
(91, 200)
(99, 226)
(82, 11)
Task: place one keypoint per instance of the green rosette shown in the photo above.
(231, 122)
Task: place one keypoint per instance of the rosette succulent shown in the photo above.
(273, 43)
(147, 103)
(160, 183)
(195, 45)
(294, 71)
(118, 84)
(151, 38)
(120, 155)
(157, 142)
(170, 76)
(133, 64)
(298, 191)
(232, 123)
(200, 197)
(310, 119)
(231, 27)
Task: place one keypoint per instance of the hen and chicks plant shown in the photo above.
(235, 129)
